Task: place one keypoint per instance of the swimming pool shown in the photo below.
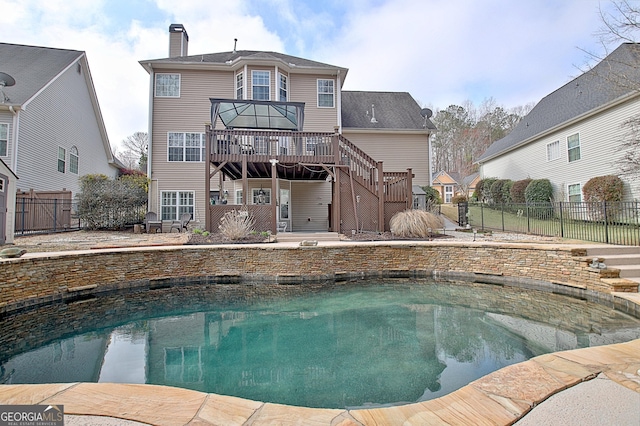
(352, 344)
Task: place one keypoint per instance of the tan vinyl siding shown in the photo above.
(61, 116)
(189, 113)
(398, 152)
(600, 149)
(304, 88)
(310, 200)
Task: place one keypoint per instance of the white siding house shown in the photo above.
(51, 118)
(7, 203)
(575, 133)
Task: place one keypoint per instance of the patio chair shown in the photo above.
(151, 222)
(181, 224)
(282, 226)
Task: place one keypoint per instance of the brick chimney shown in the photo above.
(178, 40)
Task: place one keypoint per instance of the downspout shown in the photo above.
(16, 126)
(150, 134)
(339, 101)
(430, 159)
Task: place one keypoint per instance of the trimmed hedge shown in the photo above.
(603, 188)
(517, 190)
(539, 191)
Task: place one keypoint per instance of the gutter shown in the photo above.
(150, 132)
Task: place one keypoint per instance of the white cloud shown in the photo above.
(441, 51)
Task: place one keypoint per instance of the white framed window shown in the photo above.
(239, 196)
(240, 86)
(167, 85)
(575, 193)
(62, 159)
(448, 193)
(4, 139)
(188, 147)
(573, 147)
(261, 195)
(260, 83)
(73, 160)
(283, 88)
(1, 185)
(174, 203)
(553, 151)
(326, 93)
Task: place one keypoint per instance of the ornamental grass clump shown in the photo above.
(236, 224)
(415, 224)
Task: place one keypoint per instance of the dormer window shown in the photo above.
(260, 82)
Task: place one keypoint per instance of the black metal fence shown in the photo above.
(606, 222)
(38, 216)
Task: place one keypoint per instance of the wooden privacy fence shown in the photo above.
(44, 212)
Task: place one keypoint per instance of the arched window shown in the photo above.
(73, 160)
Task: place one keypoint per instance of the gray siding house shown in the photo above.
(575, 133)
(7, 203)
(51, 127)
(201, 102)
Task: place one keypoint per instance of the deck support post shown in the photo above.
(245, 181)
(275, 197)
(207, 177)
(409, 189)
(381, 225)
(335, 198)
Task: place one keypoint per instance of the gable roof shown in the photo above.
(391, 110)
(454, 176)
(32, 67)
(595, 89)
(234, 59)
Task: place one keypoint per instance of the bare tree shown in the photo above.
(621, 24)
(137, 145)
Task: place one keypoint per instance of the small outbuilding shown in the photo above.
(7, 203)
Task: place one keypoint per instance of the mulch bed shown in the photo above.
(388, 236)
(217, 238)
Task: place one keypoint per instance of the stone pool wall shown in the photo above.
(42, 278)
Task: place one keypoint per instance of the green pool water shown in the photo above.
(336, 346)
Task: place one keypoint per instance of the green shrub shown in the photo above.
(432, 194)
(111, 203)
(460, 198)
(506, 191)
(539, 191)
(497, 192)
(517, 190)
(415, 224)
(603, 188)
(483, 190)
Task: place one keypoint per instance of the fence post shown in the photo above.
(502, 214)
(561, 222)
(22, 230)
(528, 221)
(606, 222)
(482, 215)
(55, 214)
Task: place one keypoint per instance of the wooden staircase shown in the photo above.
(624, 258)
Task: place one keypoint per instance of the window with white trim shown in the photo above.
(573, 147)
(239, 196)
(575, 193)
(187, 147)
(260, 83)
(326, 93)
(283, 88)
(167, 85)
(448, 193)
(553, 151)
(1, 185)
(240, 86)
(62, 159)
(174, 203)
(261, 196)
(4, 139)
(73, 160)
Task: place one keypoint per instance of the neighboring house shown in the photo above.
(51, 127)
(446, 184)
(285, 140)
(576, 132)
(7, 203)
(469, 183)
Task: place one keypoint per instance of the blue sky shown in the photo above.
(443, 52)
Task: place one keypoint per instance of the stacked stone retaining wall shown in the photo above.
(41, 278)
